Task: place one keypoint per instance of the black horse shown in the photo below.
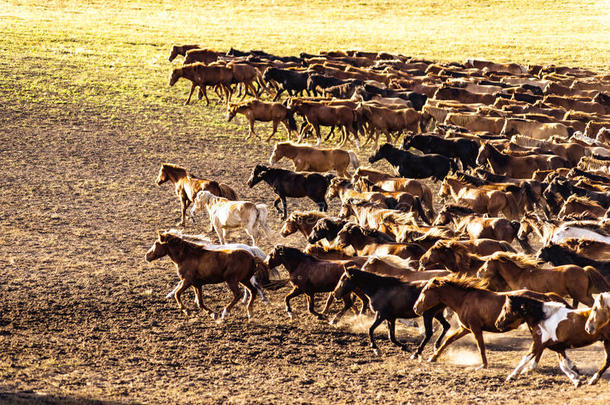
(560, 255)
(413, 166)
(326, 228)
(315, 81)
(289, 80)
(464, 149)
(391, 298)
(286, 183)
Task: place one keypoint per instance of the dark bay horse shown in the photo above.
(198, 266)
(390, 298)
(413, 166)
(556, 327)
(561, 255)
(326, 228)
(465, 150)
(286, 183)
(187, 186)
(310, 275)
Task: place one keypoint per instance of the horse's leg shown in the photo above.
(445, 325)
(205, 94)
(250, 231)
(193, 87)
(200, 303)
(172, 293)
(455, 335)
(275, 124)
(601, 371)
(365, 301)
(184, 203)
(253, 290)
(285, 207)
(428, 332)
(234, 287)
(276, 204)
(316, 128)
(296, 291)
(277, 95)
(347, 304)
(524, 361)
(392, 334)
(478, 335)
(183, 286)
(564, 365)
(329, 301)
(251, 122)
(311, 306)
(378, 319)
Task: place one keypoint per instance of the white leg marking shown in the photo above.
(594, 379)
(224, 313)
(520, 366)
(573, 376)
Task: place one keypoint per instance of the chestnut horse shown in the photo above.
(187, 186)
(197, 266)
(311, 159)
(517, 271)
(301, 221)
(309, 275)
(476, 307)
(256, 110)
(461, 256)
(556, 327)
(390, 298)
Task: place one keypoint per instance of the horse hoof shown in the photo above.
(213, 315)
(376, 352)
(224, 314)
(415, 356)
(431, 359)
(332, 321)
(289, 314)
(404, 348)
(594, 379)
(480, 367)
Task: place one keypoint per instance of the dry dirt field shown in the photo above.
(86, 119)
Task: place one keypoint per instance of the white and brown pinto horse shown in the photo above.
(556, 327)
(225, 215)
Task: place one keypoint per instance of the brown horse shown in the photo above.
(394, 266)
(368, 242)
(493, 228)
(370, 215)
(477, 308)
(591, 249)
(518, 167)
(197, 266)
(556, 327)
(392, 185)
(516, 271)
(309, 275)
(256, 110)
(483, 199)
(310, 159)
(201, 75)
(301, 221)
(317, 114)
(390, 298)
(461, 256)
(187, 186)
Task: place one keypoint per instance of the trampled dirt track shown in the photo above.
(82, 316)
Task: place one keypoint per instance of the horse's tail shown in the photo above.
(261, 219)
(525, 244)
(420, 209)
(292, 124)
(454, 167)
(353, 159)
(597, 282)
(261, 279)
(227, 192)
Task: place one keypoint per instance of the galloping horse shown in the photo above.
(390, 298)
(197, 266)
(187, 186)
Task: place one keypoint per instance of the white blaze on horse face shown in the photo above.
(556, 313)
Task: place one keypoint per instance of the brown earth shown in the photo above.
(83, 317)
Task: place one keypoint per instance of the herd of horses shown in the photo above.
(520, 158)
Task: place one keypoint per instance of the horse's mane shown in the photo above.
(497, 155)
(372, 233)
(301, 215)
(602, 228)
(372, 278)
(531, 142)
(520, 260)
(466, 178)
(197, 239)
(462, 282)
(582, 200)
(313, 249)
(394, 261)
(174, 168)
(436, 232)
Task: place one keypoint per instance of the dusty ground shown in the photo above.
(82, 316)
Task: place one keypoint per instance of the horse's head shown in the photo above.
(274, 258)
(525, 229)
(489, 271)
(429, 297)
(599, 315)
(162, 177)
(232, 111)
(547, 252)
(290, 226)
(345, 284)
(438, 256)
(346, 210)
(408, 141)
(176, 74)
(511, 315)
(201, 199)
(158, 249)
(444, 217)
(269, 74)
(483, 154)
(335, 186)
(381, 153)
(319, 231)
(278, 152)
(257, 175)
(345, 235)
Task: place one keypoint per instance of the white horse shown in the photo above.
(253, 250)
(578, 231)
(226, 214)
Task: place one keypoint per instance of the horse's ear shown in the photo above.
(350, 270)
(162, 236)
(435, 281)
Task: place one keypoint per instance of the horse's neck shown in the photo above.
(289, 152)
(175, 177)
(177, 253)
(455, 300)
(190, 74)
(367, 283)
(293, 262)
(360, 241)
(511, 276)
(454, 187)
(393, 156)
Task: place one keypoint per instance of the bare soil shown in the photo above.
(84, 319)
